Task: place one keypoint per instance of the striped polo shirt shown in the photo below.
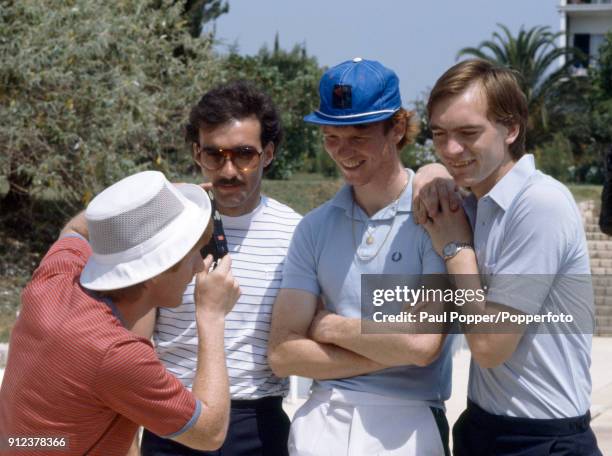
(75, 372)
(258, 242)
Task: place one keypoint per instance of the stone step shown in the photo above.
(603, 311)
(603, 301)
(603, 332)
(603, 290)
(601, 271)
(603, 321)
(599, 245)
(601, 263)
(601, 281)
(602, 254)
(598, 237)
(603, 326)
(591, 227)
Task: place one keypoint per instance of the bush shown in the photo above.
(93, 91)
(416, 155)
(291, 78)
(555, 158)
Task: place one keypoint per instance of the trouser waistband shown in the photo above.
(261, 403)
(528, 426)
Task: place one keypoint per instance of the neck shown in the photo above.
(133, 311)
(373, 196)
(484, 187)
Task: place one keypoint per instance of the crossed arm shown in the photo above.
(311, 342)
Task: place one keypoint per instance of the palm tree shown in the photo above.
(533, 53)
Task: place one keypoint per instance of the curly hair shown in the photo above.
(235, 100)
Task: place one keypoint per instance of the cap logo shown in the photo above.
(341, 97)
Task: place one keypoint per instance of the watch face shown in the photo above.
(449, 249)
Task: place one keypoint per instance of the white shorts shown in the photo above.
(347, 423)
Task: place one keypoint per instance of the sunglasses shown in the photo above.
(243, 157)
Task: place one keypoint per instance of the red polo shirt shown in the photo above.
(74, 371)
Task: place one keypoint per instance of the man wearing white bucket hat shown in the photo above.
(77, 378)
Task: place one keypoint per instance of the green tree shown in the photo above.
(585, 115)
(533, 54)
(199, 12)
(92, 91)
(292, 79)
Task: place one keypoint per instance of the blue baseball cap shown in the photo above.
(357, 91)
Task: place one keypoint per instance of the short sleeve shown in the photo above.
(300, 269)
(134, 383)
(432, 262)
(67, 256)
(536, 240)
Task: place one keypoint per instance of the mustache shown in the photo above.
(233, 181)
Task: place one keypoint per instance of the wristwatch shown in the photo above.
(452, 248)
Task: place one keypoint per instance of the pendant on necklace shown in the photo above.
(370, 240)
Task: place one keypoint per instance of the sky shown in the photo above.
(417, 39)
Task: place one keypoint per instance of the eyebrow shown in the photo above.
(460, 127)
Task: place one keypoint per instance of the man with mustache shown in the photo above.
(234, 132)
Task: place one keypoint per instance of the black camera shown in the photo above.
(217, 246)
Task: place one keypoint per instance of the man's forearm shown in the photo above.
(77, 224)
(211, 384)
(492, 343)
(298, 355)
(397, 347)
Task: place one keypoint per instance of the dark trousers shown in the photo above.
(257, 427)
(479, 433)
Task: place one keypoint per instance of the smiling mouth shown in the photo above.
(352, 164)
(462, 164)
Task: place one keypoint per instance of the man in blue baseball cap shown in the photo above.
(372, 393)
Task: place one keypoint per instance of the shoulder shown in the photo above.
(544, 199)
(71, 248)
(277, 211)
(63, 262)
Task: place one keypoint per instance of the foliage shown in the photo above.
(585, 116)
(555, 158)
(416, 155)
(199, 12)
(326, 165)
(292, 79)
(533, 53)
(92, 91)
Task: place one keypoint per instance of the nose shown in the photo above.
(228, 170)
(344, 148)
(454, 147)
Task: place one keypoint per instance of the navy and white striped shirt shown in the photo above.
(258, 243)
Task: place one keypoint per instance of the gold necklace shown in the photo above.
(370, 238)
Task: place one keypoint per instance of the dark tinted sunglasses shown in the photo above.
(243, 157)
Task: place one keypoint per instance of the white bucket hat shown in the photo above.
(141, 226)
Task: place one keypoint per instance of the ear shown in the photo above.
(399, 129)
(513, 132)
(196, 155)
(268, 154)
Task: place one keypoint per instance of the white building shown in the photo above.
(585, 23)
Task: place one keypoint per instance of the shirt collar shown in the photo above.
(344, 200)
(504, 191)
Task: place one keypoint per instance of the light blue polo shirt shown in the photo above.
(528, 225)
(322, 260)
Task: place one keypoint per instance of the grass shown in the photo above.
(583, 192)
(24, 243)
